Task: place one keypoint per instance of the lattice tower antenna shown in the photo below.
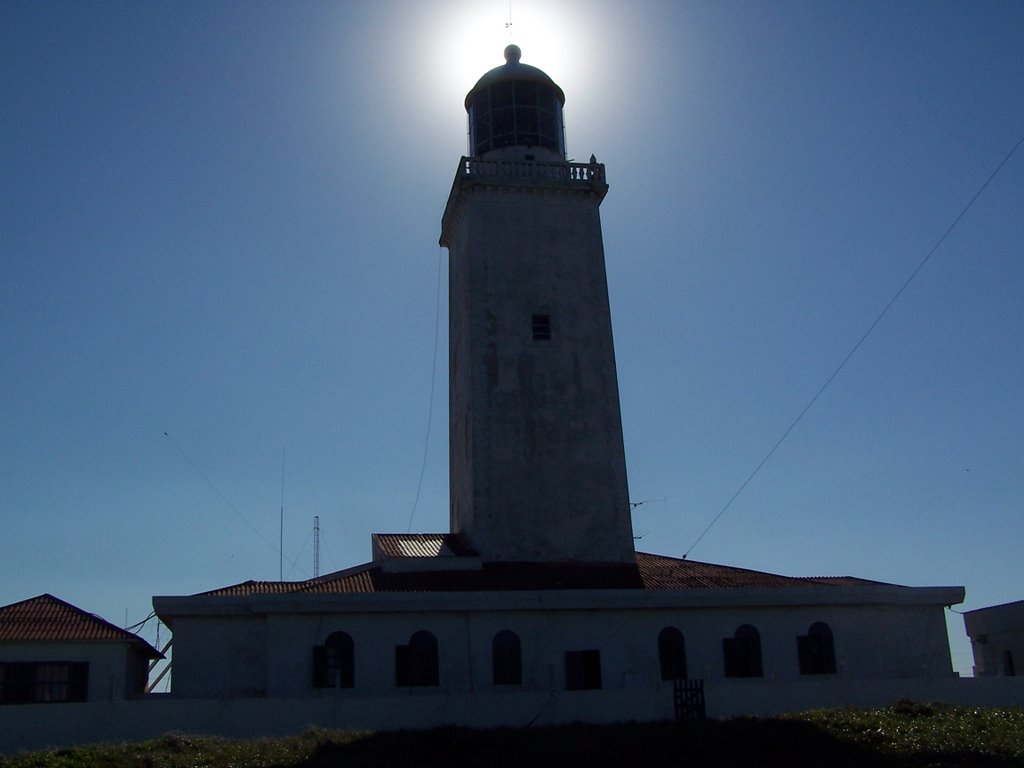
(316, 546)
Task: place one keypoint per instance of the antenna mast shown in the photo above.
(280, 548)
(316, 546)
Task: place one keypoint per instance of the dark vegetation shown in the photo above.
(905, 735)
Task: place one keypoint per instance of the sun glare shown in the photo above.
(444, 48)
(466, 39)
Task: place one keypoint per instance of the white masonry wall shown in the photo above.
(271, 655)
(115, 670)
(997, 639)
(537, 464)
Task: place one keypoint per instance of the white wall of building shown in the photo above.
(116, 670)
(271, 654)
(220, 656)
(997, 639)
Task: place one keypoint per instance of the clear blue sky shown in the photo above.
(219, 221)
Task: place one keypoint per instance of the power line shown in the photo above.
(295, 562)
(433, 379)
(224, 498)
(856, 346)
(140, 624)
(334, 563)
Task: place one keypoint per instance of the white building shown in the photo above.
(536, 601)
(52, 652)
(997, 639)
(429, 616)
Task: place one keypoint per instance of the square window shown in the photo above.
(416, 664)
(582, 670)
(541, 326)
(40, 682)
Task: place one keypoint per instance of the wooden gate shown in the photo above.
(688, 699)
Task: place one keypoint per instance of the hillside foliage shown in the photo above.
(905, 735)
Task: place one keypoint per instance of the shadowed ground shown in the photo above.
(905, 735)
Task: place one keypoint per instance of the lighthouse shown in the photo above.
(534, 607)
(537, 465)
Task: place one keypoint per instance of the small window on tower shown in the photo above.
(541, 327)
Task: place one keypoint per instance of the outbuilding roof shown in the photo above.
(423, 545)
(48, 619)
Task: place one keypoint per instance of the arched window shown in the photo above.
(416, 663)
(334, 662)
(672, 654)
(743, 653)
(507, 658)
(816, 650)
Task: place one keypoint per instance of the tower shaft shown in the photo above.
(536, 453)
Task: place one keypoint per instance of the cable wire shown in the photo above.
(298, 556)
(856, 346)
(433, 380)
(224, 498)
(139, 624)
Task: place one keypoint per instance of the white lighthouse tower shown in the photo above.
(535, 608)
(538, 470)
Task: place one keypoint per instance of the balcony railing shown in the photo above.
(587, 178)
(583, 173)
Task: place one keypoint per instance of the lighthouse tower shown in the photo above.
(538, 470)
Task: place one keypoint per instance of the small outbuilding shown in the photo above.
(52, 651)
(428, 615)
(997, 639)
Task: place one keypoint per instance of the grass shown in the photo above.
(905, 735)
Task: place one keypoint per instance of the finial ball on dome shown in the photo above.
(513, 54)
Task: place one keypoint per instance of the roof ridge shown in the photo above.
(336, 575)
(653, 572)
(757, 571)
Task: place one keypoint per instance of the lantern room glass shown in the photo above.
(516, 113)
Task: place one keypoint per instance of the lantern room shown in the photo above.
(515, 113)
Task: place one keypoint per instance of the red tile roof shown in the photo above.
(662, 572)
(651, 572)
(47, 618)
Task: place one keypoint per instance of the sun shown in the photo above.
(474, 34)
(442, 49)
